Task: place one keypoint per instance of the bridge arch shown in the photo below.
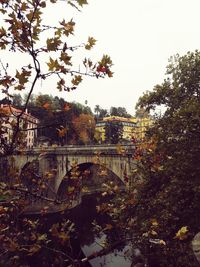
(87, 178)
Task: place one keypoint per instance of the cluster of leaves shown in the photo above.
(48, 47)
(32, 241)
(24, 31)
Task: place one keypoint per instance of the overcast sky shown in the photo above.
(140, 36)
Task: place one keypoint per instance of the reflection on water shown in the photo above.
(114, 259)
(83, 216)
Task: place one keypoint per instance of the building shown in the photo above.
(28, 125)
(132, 127)
(143, 124)
(128, 124)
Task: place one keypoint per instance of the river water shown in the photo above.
(83, 217)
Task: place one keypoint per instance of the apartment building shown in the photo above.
(28, 125)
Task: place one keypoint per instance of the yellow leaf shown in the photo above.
(182, 233)
(154, 222)
(154, 232)
(162, 242)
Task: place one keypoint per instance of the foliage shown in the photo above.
(170, 193)
(160, 214)
(119, 111)
(113, 132)
(84, 126)
(100, 113)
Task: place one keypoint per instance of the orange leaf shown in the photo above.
(66, 107)
(62, 132)
(46, 105)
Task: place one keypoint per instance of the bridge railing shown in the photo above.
(85, 149)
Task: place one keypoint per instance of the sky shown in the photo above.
(139, 36)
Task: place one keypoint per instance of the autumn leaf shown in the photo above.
(162, 242)
(46, 105)
(82, 2)
(90, 43)
(108, 227)
(65, 58)
(53, 43)
(63, 237)
(13, 246)
(62, 132)
(182, 233)
(76, 80)
(53, 65)
(154, 222)
(34, 249)
(68, 27)
(23, 76)
(66, 107)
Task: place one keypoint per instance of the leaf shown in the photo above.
(65, 58)
(46, 105)
(182, 233)
(13, 246)
(76, 80)
(108, 227)
(53, 65)
(90, 43)
(66, 107)
(82, 2)
(34, 249)
(42, 237)
(53, 43)
(162, 242)
(63, 237)
(62, 132)
(154, 222)
(68, 27)
(23, 76)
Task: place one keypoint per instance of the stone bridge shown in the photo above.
(117, 160)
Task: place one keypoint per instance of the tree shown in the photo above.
(84, 126)
(170, 194)
(100, 112)
(119, 111)
(113, 132)
(48, 53)
(17, 100)
(103, 113)
(141, 113)
(97, 110)
(48, 48)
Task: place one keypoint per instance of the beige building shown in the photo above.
(28, 125)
